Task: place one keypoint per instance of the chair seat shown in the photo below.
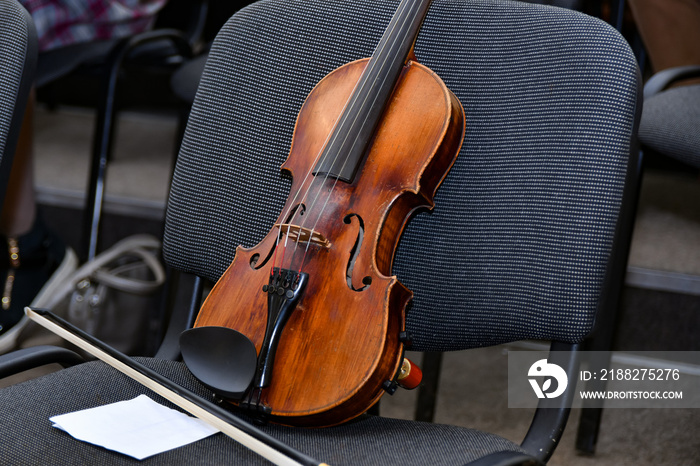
(369, 440)
(670, 122)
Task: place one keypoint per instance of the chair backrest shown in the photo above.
(188, 16)
(670, 123)
(519, 243)
(18, 51)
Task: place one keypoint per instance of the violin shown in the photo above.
(308, 327)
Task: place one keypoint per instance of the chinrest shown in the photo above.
(222, 359)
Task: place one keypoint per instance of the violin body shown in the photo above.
(340, 342)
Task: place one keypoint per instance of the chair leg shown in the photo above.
(592, 410)
(104, 129)
(588, 428)
(427, 393)
(101, 150)
(599, 354)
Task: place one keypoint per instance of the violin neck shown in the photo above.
(398, 38)
(342, 156)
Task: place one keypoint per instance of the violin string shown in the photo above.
(370, 68)
(330, 141)
(321, 152)
(328, 197)
(362, 105)
(364, 102)
(303, 182)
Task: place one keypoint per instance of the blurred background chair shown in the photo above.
(665, 35)
(42, 260)
(670, 122)
(176, 36)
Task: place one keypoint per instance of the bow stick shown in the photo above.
(240, 431)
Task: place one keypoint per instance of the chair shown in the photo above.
(671, 117)
(524, 241)
(18, 49)
(163, 48)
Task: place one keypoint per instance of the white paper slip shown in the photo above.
(139, 428)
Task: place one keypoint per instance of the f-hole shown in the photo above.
(255, 262)
(367, 281)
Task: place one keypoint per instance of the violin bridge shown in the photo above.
(303, 235)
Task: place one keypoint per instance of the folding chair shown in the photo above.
(525, 241)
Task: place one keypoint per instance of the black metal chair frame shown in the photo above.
(104, 125)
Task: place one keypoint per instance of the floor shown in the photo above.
(666, 249)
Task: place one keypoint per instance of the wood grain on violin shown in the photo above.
(320, 284)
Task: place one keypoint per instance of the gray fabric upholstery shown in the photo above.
(17, 64)
(518, 244)
(670, 124)
(26, 409)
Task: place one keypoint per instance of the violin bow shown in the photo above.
(240, 431)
